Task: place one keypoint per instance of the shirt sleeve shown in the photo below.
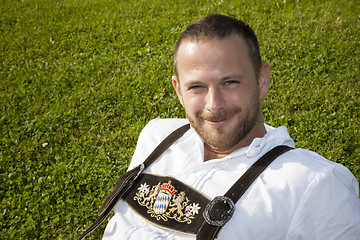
(329, 208)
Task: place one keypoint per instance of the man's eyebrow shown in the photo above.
(192, 82)
(224, 78)
(233, 76)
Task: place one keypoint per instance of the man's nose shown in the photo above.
(214, 100)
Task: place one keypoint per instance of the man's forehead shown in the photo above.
(191, 46)
(205, 39)
(232, 46)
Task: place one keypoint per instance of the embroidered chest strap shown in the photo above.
(167, 202)
(126, 180)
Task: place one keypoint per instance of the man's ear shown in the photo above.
(176, 85)
(264, 79)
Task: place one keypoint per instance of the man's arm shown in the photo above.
(329, 209)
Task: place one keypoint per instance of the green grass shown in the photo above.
(80, 79)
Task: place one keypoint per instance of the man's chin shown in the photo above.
(215, 139)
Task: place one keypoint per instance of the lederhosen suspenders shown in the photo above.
(171, 204)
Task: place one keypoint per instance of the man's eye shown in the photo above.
(231, 82)
(195, 87)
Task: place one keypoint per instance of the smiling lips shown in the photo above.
(218, 118)
(217, 122)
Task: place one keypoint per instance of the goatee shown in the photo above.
(221, 137)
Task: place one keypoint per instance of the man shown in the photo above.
(221, 81)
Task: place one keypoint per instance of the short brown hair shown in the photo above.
(220, 26)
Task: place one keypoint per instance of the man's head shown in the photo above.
(220, 26)
(220, 83)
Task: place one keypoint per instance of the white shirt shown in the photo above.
(300, 195)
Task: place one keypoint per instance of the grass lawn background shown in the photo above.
(80, 79)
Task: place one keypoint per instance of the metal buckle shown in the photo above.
(228, 214)
(132, 180)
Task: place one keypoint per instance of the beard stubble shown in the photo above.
(217, 137)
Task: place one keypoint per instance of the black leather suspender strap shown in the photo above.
(126, 180)
(221, 208)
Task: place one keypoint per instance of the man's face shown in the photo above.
(218, 89)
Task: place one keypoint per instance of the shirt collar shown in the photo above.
(273, 137)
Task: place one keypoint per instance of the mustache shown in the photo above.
(219, 116)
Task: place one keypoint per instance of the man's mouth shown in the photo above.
(214, 123)
(217, 119)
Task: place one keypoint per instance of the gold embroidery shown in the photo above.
(163, 203)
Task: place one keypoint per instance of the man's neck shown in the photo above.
(213, 153)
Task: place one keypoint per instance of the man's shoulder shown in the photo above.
(152, 134)
(313, 164)
(165, 124)
(312, 158)
(159, 128)
(307, 159)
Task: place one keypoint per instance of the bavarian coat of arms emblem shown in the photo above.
(164, 202)
(163, 198)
